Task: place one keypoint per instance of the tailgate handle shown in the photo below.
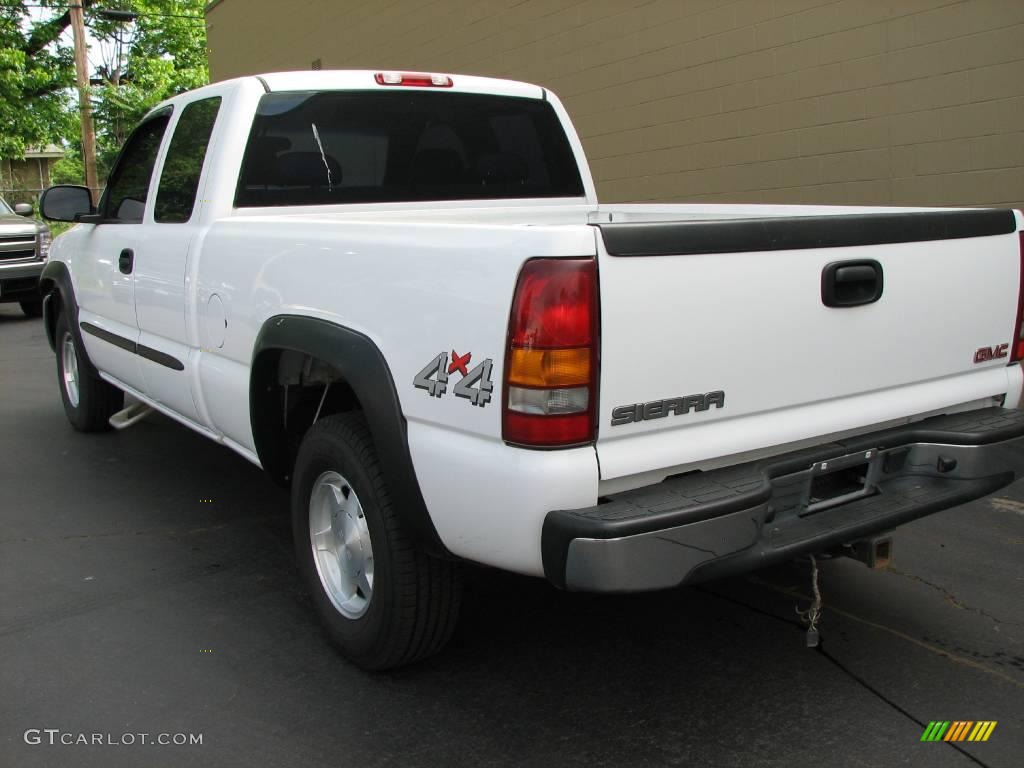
(851, 283)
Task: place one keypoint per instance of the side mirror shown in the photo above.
(23, 209)
(66, 203)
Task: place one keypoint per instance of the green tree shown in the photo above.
(161, 54)
(69, 169)
(36, 73)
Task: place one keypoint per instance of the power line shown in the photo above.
(94, 10)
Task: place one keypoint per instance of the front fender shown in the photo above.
(55, 285)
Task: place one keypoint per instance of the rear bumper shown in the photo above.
(705, 525)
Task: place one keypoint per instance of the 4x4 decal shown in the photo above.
(475, 384)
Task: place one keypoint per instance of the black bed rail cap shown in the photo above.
(796, 232)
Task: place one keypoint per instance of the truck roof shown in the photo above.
(341, 79)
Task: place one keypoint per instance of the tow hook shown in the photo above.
(875, 553)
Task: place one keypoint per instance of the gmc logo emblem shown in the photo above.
(985, 354)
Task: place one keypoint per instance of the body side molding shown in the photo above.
(154, 355)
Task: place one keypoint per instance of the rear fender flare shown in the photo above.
(360, 362)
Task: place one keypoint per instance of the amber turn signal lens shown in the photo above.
(549, 367)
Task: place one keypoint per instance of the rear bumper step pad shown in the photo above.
(705, 525)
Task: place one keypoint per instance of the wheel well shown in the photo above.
(289, 392)
(52, 307)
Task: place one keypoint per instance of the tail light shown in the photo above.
(1017, 352)
(550, 396)
(419, 79)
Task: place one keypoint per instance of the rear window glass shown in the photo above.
(368, 147)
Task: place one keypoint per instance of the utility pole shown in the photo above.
(84, 99)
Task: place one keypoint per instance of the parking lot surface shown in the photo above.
(147, 586)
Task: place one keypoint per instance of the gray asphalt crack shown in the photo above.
(952, 599)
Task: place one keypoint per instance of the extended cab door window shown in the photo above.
(128, 185)
(179, 179)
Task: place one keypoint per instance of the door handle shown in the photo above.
(126, 261)
(851, 283)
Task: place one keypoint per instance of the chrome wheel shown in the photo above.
(340, 540)
(69, 368)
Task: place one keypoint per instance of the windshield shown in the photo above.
(357, 147)
(4, 208)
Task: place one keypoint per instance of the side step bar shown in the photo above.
(133, 414)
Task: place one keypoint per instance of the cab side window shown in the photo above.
(128, 185)
(179, 179)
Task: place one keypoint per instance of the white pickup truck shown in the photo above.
(398, 294)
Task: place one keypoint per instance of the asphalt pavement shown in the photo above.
(147, 587)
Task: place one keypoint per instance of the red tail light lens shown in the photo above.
(553, 304)
(550, 396)
(1017, 345)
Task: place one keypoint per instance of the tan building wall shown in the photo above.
(902, 102)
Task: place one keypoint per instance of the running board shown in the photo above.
(132, 414)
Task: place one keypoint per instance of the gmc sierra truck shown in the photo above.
(398, 294)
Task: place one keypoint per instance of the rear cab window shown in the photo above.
(315, 148)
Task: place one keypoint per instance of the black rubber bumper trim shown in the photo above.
(846, 527)
(696, 497)
(155, 355)
(684, 238)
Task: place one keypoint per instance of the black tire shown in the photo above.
(98, 400)
(32, 308)
(414, 604)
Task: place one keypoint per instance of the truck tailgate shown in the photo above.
(716, 337)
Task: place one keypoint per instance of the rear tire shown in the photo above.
(89, 401)
(383, 601)
(32, 308)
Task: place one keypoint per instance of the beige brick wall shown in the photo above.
(902, 102)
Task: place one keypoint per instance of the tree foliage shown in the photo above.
(164, 54)
(36, 71)
(160, 54)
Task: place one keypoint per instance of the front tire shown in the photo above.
(89, 401)
(384, 602)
